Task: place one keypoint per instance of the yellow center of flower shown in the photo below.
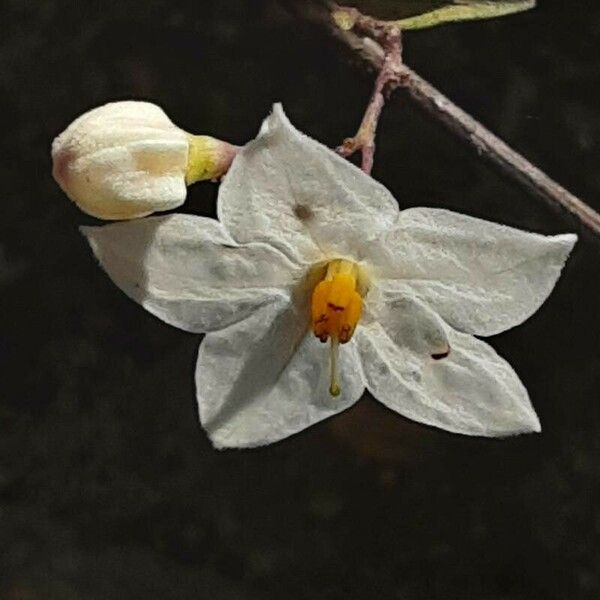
(335, 310)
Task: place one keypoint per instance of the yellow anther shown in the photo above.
(335, 310)
(349, 318)
(336, 303)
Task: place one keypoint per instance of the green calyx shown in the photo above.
(208, 158)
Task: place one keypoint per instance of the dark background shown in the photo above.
(109, 488)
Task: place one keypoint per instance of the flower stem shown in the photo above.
(388, 79)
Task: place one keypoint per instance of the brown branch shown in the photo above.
(387, 81)
(514, 165)
(498, 152)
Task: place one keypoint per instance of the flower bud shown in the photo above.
(127, 159)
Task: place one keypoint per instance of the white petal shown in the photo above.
(188, 272)
(408, 322)
(291, 191)
(481, 277)
(472, 391)
(266, 378)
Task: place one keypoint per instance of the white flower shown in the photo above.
(127, 159)
(397, 296)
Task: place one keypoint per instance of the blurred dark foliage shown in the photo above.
(109, 488)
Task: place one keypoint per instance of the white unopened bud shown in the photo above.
(127, 159)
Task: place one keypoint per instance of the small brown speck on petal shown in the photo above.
(440, 355)
(303, 212)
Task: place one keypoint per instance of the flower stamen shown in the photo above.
(336, 309)
(334, 386)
